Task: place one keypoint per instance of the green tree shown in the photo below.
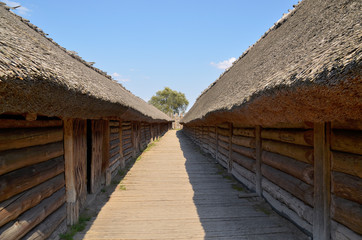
(169, 101)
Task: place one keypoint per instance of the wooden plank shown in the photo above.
(14, 123)
(346, 125)
(294, 136)
(113, 136)
(114, 130)
(244, 141)
(114, 143)
(113, 123)
(258, 150)
(300, 170)
(244, 161)
(14, 159)
(322, 194)
(114, 151)
(223, 138)
(224, 145)
(27, 137)
(247, 132)
(340, 232)
(249, 152)
(223, 132)
(97, 154)
(230, 162)
(33, 217)
(105, 147)
(25, 178)
(347, 163)
(347, 141)
(13, 207)
(300, 153)
(347, 186)
(304, 125)
(114, 158)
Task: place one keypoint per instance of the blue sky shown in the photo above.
(149, 44)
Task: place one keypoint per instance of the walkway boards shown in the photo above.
(174, 192)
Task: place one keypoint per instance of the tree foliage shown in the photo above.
(170, 101)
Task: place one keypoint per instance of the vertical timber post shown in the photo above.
(258, 147)
(70, 184)
(105, 164)
(123, 162)
(230, 162)
(322, 182)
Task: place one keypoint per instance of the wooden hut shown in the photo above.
(65, 129)
(286, 118)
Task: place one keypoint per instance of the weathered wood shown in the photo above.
(126, 146)
(13, 207)
(97, 154)
(114, 151)
(113, 123)
(14, 159)
(127, 132)
(258, 150)
(301, 153)
(244, 176)
(347, 212)
(127, 136)
(22, 179)
(224, 145)
(114, 136)
(124, 142)
(347, 163)
(223, 138)
(32, 217)
(246, 132)
(348, 125)
(347, 186)
(48, 226)
(27, 137)
(14, 123)
(114, 143)
(246, 162)
(304, 125)
(105, 146)
(340, 232)
(223, 125)
(294, 136)
(300, 170)
(249, 152)
(224, 152)
(114, 130)
(322, 185)
(230, 162)
(223, 132)
(114, 158)
(244, 141)
(291, 184)
(347, 141)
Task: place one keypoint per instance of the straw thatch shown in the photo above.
(39, 76)
(307, 67)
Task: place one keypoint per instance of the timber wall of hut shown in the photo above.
(282, 163)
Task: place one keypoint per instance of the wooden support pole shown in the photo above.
(105, 159)
(322, 185)
(258, 175)
(230, 161)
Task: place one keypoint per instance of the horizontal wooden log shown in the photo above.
(32, 217)
(249, 152)
(113, 136)
(128, 132)
(243, 175)
(114, 165)
(224, 125)
(48, 226)
(299, 207)
(14, 123)
(294, 136)
(223, 138)
(347, 213)
(222, 159)
(303, 125)
(126, 127)
(212, 129)
(25, 178)
(114, 143)
(114, 151)
(347, 163)
(126, 141)
(347, 186)
(114, 130)
(115, 157)
(300, 153)
(13, 207)
(246, 132)
(244, 141)
(347, 141)
(212, 135)
(18, 158)
(27, 137)
(300, 170)
(244, 161)
(348, 125)
(126, 136)
(126, 146)
(289, 183)
(339, 231)
(114, 123)
(224, 132)
(127, 151)
(223, 145)
(223, 151)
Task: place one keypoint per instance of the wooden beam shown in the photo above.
(322, 185)
(294, 136)
(15, 123)
(347, 163)
(230, 162)
(31, 116)
(258, 150)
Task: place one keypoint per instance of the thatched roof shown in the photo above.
(39, 76)
(307, 67)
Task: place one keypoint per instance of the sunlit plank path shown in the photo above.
(174, 192)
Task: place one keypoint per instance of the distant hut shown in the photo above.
(65, 129)
(286, 118)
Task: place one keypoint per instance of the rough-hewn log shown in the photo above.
(347, 163)
(114, 158)
(340, 232)
(13, 207)
(126, 127)
(291, 184)
(14, 159)
(223, 125)
(246, 162)
(348, 125)
(347, 212)
(223, 138)
(114, 151)
(21, 138)
(48, 226)
(212, 135)
(304, 125)
(32, 217)
(114, 143)
(301, 153)
(113, 123)
(249, 152)
(113, 136)
(114, 130)
(300, 170)
(127, 136)
(347, 186)
(294, 136)
(224, 152)
(126, 141)
(105, 146)
(126, 146)
(244, 176)
(247, 132)
(244, 141)
(22, 179)
(14, 123)
(223, 132)
(224, 145)
(347, 141)
(127, 151)
(127, 132)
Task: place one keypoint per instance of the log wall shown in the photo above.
(282, 163)
(32, 184)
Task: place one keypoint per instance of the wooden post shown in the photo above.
(230, 162)
(258, 176)
(70, 185)
(322, 184)
(123, 162)
(105, 162)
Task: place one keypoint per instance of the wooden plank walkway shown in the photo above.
(175, 192)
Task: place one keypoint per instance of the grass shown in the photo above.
(237, 187)
(122, 187)
(78, 227)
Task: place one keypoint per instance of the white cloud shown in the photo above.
(224, 64)
(118, 77)
(20, 10)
